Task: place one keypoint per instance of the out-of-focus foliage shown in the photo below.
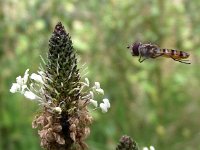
(156, 102)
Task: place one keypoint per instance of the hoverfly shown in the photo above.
(146, 51)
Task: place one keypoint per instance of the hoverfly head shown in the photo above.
(134, 48)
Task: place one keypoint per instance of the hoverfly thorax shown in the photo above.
(134, 48)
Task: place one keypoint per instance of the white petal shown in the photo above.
(23, 88)
(19, 80)
(25, 79)
(106, 101)
(152, 148)
(101, 91)
(91, 95)
(87, 82)
(26, 72)
(30, 95)
(97, 85)
(103, 107)
(15, 88)
(37, 78)
(94, 102)
(145, 148)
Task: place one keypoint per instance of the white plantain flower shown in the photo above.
(37, 78)
(106, 101)
(94, 102)
(15, 88)
(30, 95)
(103, 107)
(150, 148)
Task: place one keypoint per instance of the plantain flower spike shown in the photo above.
(63, 123)
(67, 125)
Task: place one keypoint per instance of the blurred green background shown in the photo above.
(156, 102)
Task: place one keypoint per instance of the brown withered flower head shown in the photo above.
(63, 122)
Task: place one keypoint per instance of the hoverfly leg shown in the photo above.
(141, 60)
(184, 61)
(181, 61)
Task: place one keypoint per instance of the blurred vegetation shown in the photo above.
(156, 102)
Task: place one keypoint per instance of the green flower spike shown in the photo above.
(65, 126)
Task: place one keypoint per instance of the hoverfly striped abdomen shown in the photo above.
(175, 54)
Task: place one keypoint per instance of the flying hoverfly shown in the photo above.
(146, 51)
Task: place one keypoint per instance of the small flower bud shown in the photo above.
(58, 110)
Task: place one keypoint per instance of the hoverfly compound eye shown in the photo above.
(135, 49)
